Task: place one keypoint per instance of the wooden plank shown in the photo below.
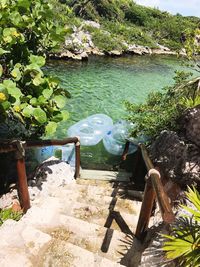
(105, 175)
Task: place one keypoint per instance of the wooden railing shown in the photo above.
(19, 148)
(154, 190)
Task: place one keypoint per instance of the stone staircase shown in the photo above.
(86, 223)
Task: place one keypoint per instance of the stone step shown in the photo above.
(104, 242)
(50, 207)
(97, 196)
(105, 175)
(107, 188)
(61, 253)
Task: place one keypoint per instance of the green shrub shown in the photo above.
(105, 41)
(28, 30)
(162, 110)
(184, 242)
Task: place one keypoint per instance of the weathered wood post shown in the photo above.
(22, 178)
(77, 159)
(153, 188)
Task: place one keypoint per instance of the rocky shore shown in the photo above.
(79, 46)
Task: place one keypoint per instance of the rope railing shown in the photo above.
(19, 148)
(153, 190)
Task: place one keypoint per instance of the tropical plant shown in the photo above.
(9, 214)
(28, 31)
(184, 242)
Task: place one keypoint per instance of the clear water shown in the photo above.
(101, 85)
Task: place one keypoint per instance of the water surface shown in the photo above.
(102, 84)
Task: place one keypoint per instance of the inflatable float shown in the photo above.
(65, 153)
(92, 129)
(115, 139)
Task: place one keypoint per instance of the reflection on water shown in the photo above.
(101, 84)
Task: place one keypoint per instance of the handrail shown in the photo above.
(19, 148)
(153, 189)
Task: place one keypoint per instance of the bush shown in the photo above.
(28, 30)
(162, 110)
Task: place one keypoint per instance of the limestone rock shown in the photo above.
(54, 171)
(176, 159)
(138, 49)
(91, 23)
(190, 124)
(115, 53)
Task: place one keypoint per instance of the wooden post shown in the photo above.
(77, 160)
(22, 178)
(153, 188)
(145, 212)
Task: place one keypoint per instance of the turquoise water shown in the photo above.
(101, 85)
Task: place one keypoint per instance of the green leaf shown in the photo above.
(38, 60)
(60, 101)
(6, 105)
(38, 80)
(2, 51)
(42, 100)
(51, 127)
(1, 70)
(16, 73)
(34, 101)
(28, 111)
(47, 93)
(40, 115)
(12, 89)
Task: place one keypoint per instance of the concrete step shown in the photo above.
(63, 254)
(104, 242)
(105, 175)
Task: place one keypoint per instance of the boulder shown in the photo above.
(190, 125)
(177, 159)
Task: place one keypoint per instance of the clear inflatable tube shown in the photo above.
(92, 129)
(115, 139)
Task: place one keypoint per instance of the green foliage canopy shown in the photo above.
(28, 30)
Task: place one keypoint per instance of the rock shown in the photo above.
(158, 51)
(66, 54)
(16, 206)
(164, 48)
(96, 51)
(53, 171)
(138, 49)
(115, 53)
(91, 23)
(176, 159)
(190, 125)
